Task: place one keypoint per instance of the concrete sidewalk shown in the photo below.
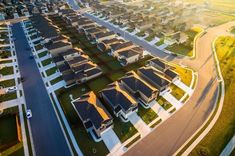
(185, 88)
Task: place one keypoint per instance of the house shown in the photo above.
(159, 64)
(94, 116)
(97, 38)
(152, 76)
(58, 47)
(83, 23)
(115, 48)
(105, 44)
(128, 56)
(85, 28)
(138, 88)
(121, 103)
(171, 75)
(91, 32)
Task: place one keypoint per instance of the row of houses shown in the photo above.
(122, 97)
(74, 65)
(107, 41)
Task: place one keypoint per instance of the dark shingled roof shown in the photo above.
(153, 76)
(117, 97)
(128, 53)
(171, 73)
(89, 108)
(104, 34)
(159, 63)
(136, 84)
(57, 45)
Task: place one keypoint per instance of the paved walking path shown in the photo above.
(139, 124)
(229, 147)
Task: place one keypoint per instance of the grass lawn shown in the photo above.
(123, 130)
(56, 80)
(8, 131)
(184, 73)
(177, 92)
(147, 115)
(161, 42)
(88, 146)
(51, 71)
(104, 68)
(5, 54)
(140, 34)
(47, 62)
(114, 65)
(7, 83)
(105, 57)
(116, 75)
(181, 49)
(130, 30)
(7, 71)
(42, 54)
(232, 30)
(150, 37)
(223, 130)
(98, 84)
(38, 47)
(164, 103)
(5, 61)
(7, 97)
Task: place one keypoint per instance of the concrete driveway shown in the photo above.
(112, 142)
(170, 98)
(161, 112)
(139, 124)
(182, 86)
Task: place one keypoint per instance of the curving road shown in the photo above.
(174, 132)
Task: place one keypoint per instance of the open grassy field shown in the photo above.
(224, 128)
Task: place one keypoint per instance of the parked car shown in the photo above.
(11, 89)
(22, 79)
(29, 113)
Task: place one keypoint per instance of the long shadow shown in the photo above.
(209, 57)
(205, 91)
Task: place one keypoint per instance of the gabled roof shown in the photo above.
(171, 73)
(119, 46)
(136, 84)
(128, 53)
(153, 76)
(83, 67)
(104, 34)
(159, 63)
(89, 108)
(118, 97)
(57, 45)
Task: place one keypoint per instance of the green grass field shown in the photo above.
(223, 130)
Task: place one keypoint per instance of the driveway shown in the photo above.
(112, 142)
(161, 112)
(139, 124)
(47, 135)
(170, 98)
(185, 88)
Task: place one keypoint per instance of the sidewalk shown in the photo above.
(229, 147)
(170, 98)
(162, 113)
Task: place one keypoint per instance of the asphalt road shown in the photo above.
(48, 137)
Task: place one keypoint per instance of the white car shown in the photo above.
(29, 113)
(11, 90)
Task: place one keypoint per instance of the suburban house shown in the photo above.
(171, 75)
(152, 76)
(105, 44)
(94, 116)
(158, 64)
(76, 68)
(139, 89)
(129, 56)
(86, 28)
(59, 59)
(91, 32)
(58, 47)
(121, 103)
(97, 38)
(83, 23)
(115, 48)
(65, 12)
